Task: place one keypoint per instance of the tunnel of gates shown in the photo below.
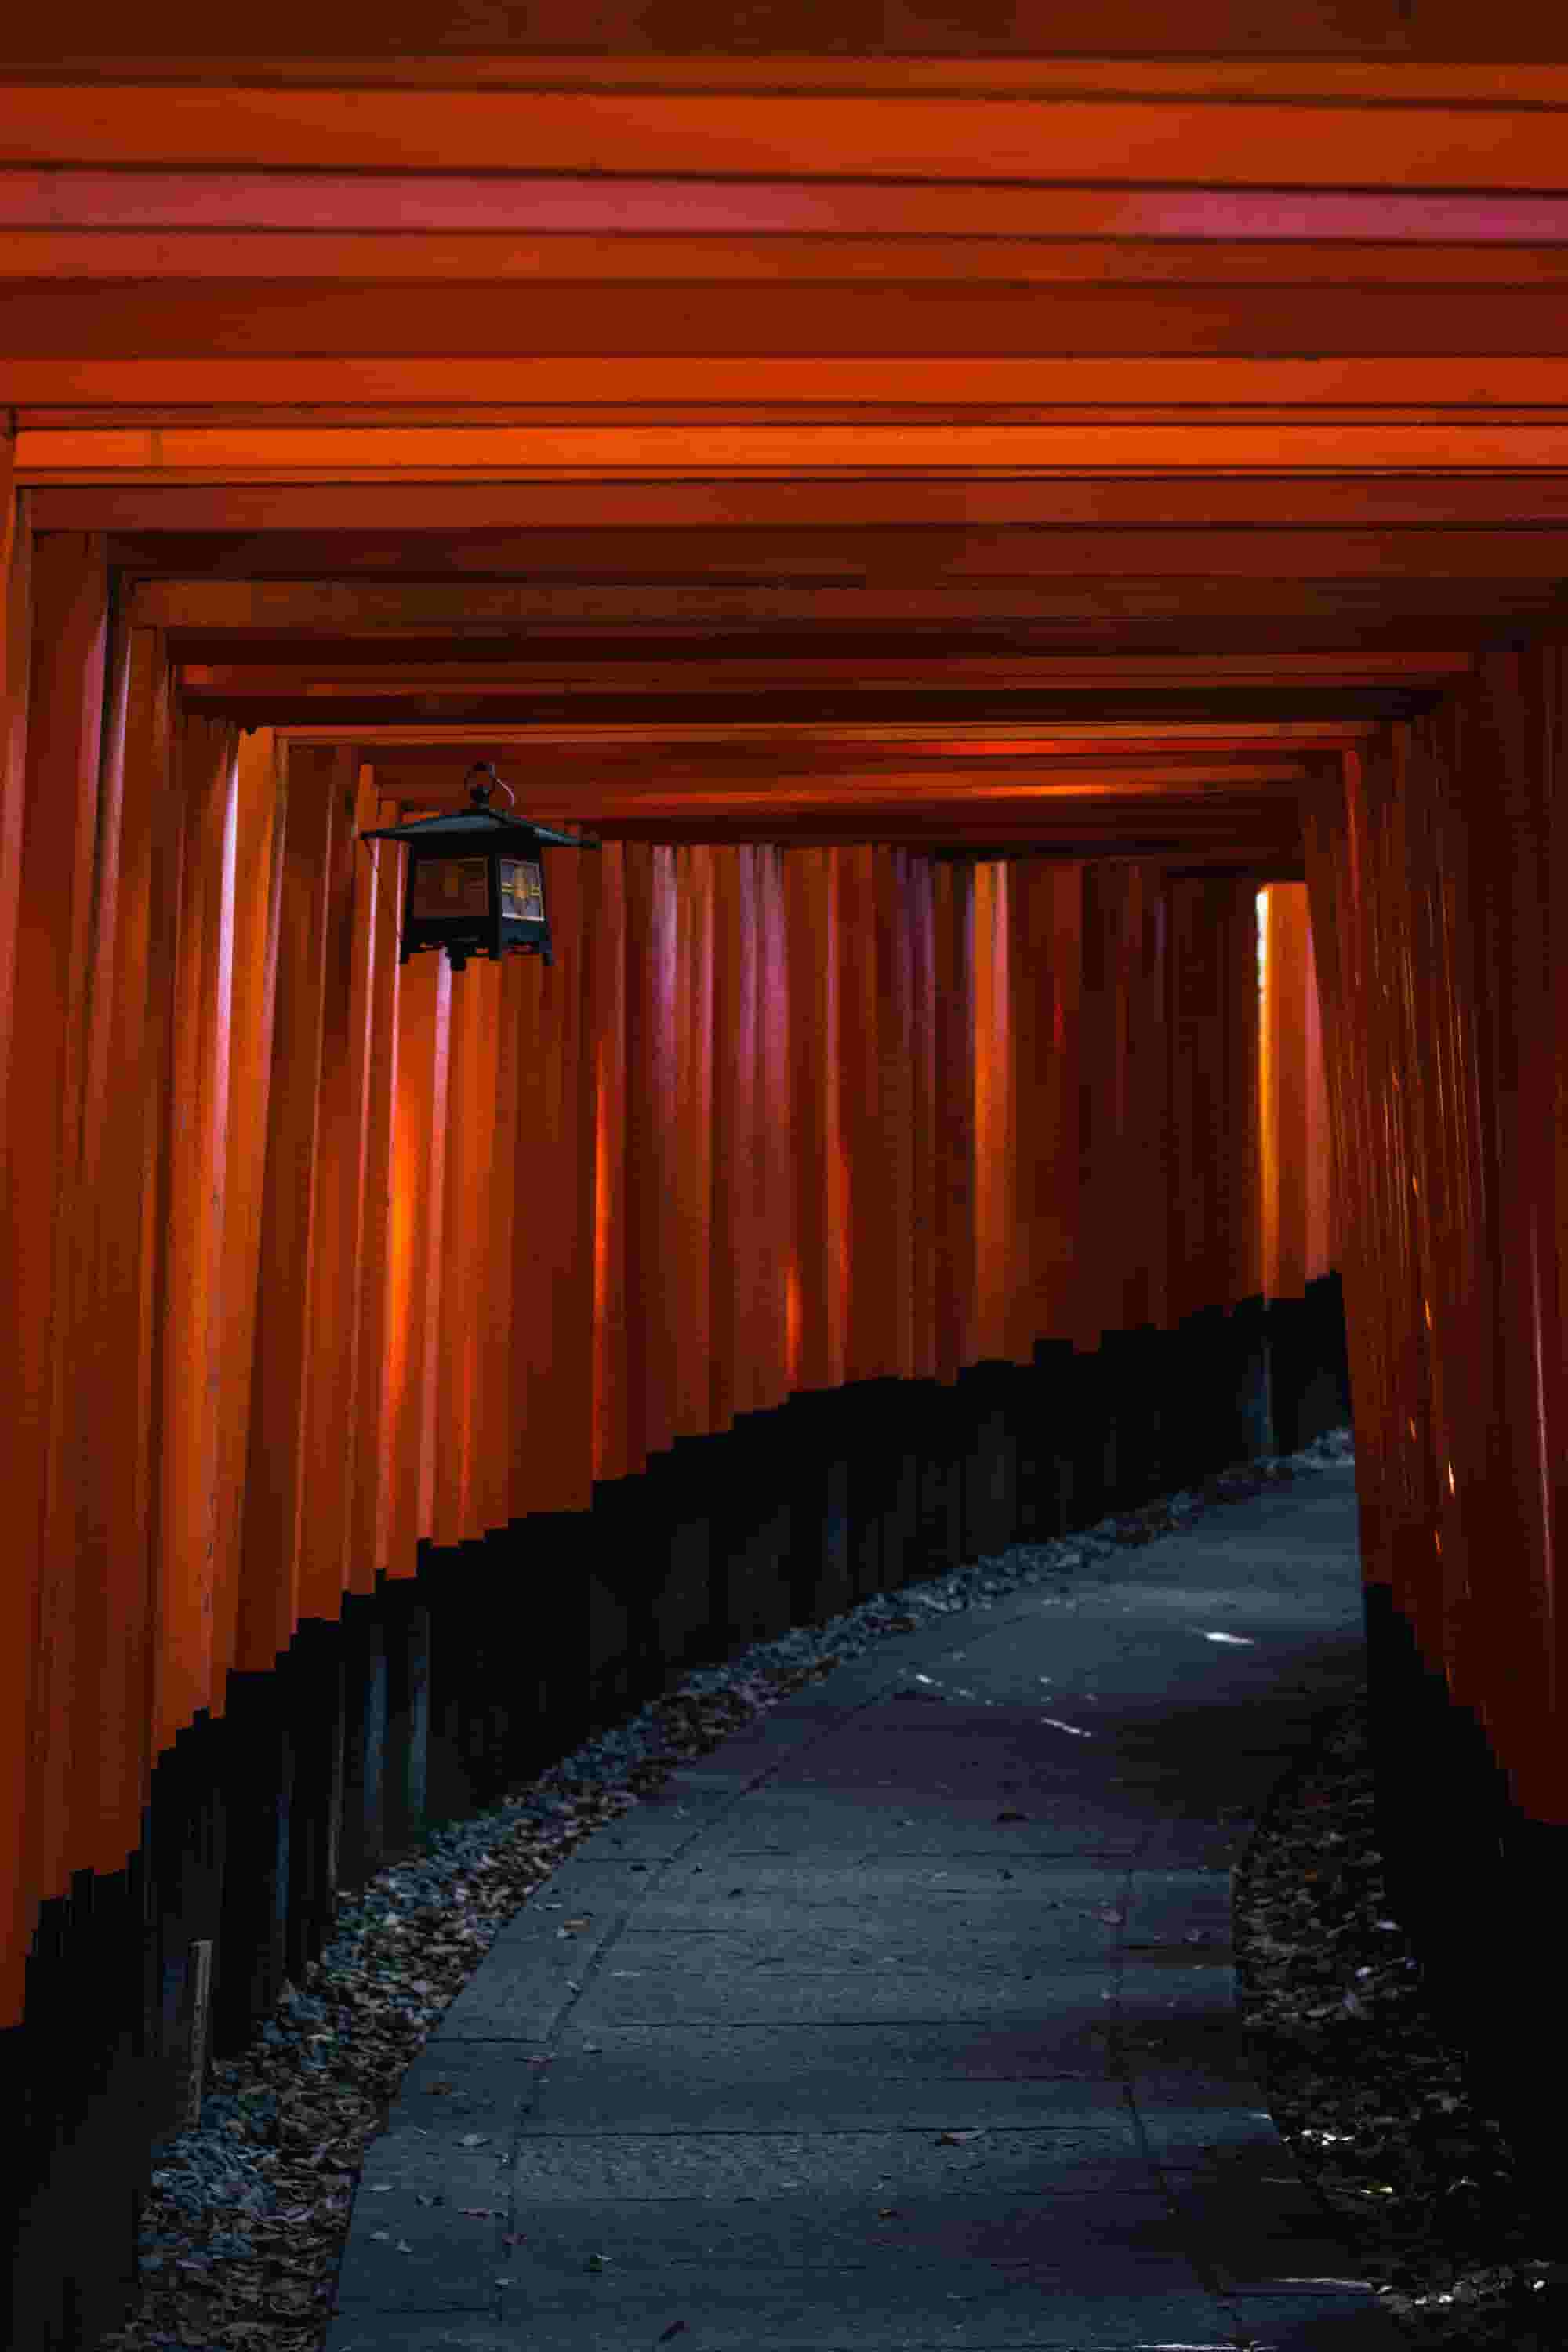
(410, 1370)
(413, 1368)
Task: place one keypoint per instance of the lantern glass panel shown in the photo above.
(443, 886)
(521, 889)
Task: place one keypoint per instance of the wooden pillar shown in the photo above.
(276, 1470)
(192, 1336)
(373, 999)
(54, 954)
(330, 1362)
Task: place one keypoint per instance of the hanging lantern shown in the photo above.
(476, 879)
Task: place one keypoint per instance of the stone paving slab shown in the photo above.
(1090, 2241)
(847, 2078)
(983, 2308)
(701, 2090)
(959, 2160)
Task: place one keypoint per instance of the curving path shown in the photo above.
(906, 2018)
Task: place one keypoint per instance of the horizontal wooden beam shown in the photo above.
(422, 665)
(1301, 54)
(1008, 559)
(327, 529)
(1299, 51)
(468, 609)
(877, 320)
(1169, 841)
(1044, 798)
(1216, 141)
(363, 718)
(1441, 410)
(177, 245)
(1090, 737)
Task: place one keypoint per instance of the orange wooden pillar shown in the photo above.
(1295, 1175)
(1214, 1240)
(694, 906)
(1045, 950)
(812, 879)
(556, 1239)
(41, 1258)
(193, 1328)
(1437, 866)
(1286, 1143)
(277, 1464)
(657, 1265)
(374, 995)
(995, 1151)
(419, 1150)
(776, 1193)
(258, 891)
(954, 1099)
(1437, 874)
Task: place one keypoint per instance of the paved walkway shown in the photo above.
(905, 2020)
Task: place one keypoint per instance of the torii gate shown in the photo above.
(956, 525)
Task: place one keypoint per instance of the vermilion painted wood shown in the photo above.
(955, 969)
(924, 1193)
(110, 1573)
(495, 1422)
(191, 1305)
(993, 1115)
(314, 528)
(469, 1109)
(43, 1193)
(1146, 1115)
(812, 879)
(258, 912)
(378, 895)
(272, 1553)
(775, 1211)
(732, 1237)
(1096, 1212)
(418, 1285)
(1322, 1211)
(659, 1267)
(694, 892)
(1284, 1144)
(609, 1049)
(855, 1049)
(895, 958)
(330, 1366)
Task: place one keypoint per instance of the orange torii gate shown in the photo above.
(956, 526)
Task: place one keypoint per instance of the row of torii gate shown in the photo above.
(955, 528)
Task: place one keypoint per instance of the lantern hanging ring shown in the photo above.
(479, 794)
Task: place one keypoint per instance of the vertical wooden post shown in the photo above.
(275, 1472)
(954, 967)
(418, 1259)
(609, 1096)
(39, 1252)
(331, 1367)
(257, 904)
(374, 998)
(192, 1348)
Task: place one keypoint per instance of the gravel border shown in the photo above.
(243, 2228)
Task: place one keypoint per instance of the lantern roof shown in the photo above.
(478, 828)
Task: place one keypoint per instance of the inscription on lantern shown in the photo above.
(450, 885)
(521, 890)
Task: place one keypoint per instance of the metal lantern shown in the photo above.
(476, 879)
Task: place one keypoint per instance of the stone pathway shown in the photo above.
(906, 2018)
